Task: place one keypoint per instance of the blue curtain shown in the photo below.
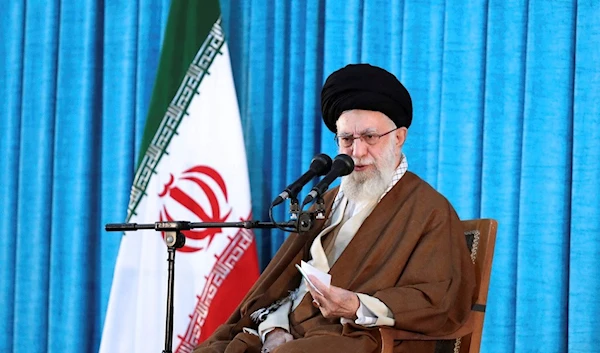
(76, 80)
(507, 125)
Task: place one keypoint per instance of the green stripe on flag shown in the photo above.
(193, 38)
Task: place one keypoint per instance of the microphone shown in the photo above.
(342, 165)
(320, 165)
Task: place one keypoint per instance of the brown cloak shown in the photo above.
(410, 253)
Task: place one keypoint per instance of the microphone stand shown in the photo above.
(175, 240)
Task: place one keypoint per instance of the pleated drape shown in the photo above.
(506, 125)
(583, 232)
(76, 79)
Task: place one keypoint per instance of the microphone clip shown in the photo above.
(294, 208)
(320, 208)
(305, 221)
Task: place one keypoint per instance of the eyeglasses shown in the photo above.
(370, 138)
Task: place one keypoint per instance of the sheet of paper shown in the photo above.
(307, 269)
(305, 276)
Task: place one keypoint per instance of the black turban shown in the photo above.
(362, 86)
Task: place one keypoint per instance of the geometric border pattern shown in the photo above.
(240, 243)
(176, 111)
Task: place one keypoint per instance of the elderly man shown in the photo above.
(393, 245)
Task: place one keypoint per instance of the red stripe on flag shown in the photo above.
(228, 282)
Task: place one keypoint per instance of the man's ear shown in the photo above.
(400, 135)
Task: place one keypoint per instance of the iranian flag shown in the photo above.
(192, 167)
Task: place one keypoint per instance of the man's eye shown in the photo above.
(369, 137)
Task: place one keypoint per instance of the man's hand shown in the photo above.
(335, 301)
(275, 338)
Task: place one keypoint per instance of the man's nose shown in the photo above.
(359, 148)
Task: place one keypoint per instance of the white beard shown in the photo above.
(366, 186)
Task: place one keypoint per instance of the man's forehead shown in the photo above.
(362, 121)
(356, 130)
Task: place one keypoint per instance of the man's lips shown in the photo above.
(358, 168)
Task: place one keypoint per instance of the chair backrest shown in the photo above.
(481, 238)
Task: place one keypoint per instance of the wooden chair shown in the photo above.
(481, 237)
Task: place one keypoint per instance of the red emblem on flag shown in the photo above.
(193, 191)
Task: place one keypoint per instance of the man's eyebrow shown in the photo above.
(369, 130)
